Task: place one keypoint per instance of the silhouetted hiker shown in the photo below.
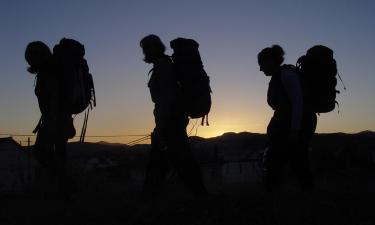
(56, 125)
(169, 141)
(292, 125)
(63, 87)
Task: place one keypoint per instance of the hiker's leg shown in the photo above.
(156, 169)
(43, 149)
(188, 169)
(61, 157)
(43, 154)
(301, 161)
(274, 162)
(60, 167)
(277, 153)
(184, 161)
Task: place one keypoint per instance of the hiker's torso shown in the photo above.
(164, 89)
(277, 97)
(280, 102)
(48, 90)
(46, 82)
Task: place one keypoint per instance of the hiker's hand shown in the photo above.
(50, 127)
(293, 138)
(159, 140)
(164, 148)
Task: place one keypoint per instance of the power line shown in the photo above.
(122, 135)
(18, 135)
(92, 136)
(139, 140)
(144, 137)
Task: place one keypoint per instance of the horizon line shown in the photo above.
(143, 135)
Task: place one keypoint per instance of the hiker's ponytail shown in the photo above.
(278, 53)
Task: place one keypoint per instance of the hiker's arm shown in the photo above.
(292, 85)
(53, 103)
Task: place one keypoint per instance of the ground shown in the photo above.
(345, 197)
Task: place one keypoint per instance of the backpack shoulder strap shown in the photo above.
(289, 67)
(37, 127)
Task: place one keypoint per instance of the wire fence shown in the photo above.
(140, 138)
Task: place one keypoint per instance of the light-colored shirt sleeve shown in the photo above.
(291, 82)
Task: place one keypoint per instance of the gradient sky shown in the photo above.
(230, 33)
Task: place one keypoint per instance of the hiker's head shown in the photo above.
(36, 54)
(270, 59)
(153, 48)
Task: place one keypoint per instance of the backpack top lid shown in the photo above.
(317, 54)
(69, 48)
(318, 51)
(185, 52)
(318, 60)
(183, 44)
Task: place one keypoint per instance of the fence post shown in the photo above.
(28, 162)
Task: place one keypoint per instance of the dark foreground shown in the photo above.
(341, 197)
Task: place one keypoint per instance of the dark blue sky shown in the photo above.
(230, 33)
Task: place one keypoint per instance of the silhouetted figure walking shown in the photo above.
(169, 141)
(292, 125)
(56, 124)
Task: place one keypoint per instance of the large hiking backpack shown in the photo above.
(76, 82)
(318, 70)
(193, 79)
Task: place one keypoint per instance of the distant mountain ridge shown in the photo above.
(243, 139)
(229, 147)
(232, 136)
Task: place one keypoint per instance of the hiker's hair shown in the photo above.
(153, 47)
(36, 49)
(274, 53)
